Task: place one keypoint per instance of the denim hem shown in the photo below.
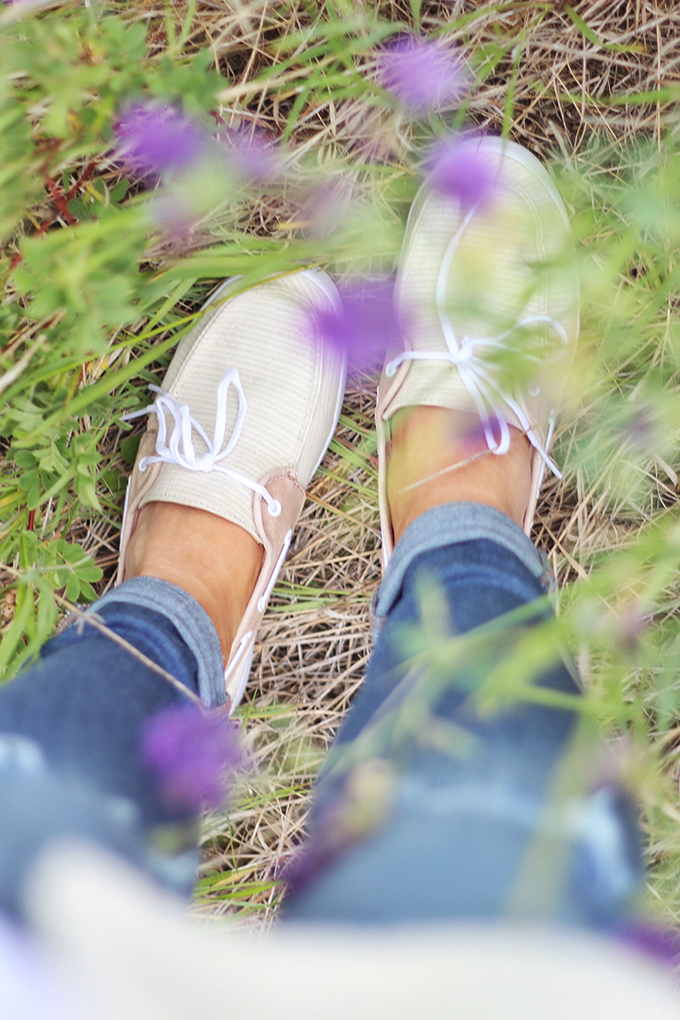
(188, 617)
(449, 524)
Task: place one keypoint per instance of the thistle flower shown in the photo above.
(651, 940)
(365, 326)
(172, 212)
(251, 157)
(190, 752)
(421, 73)
(158, 139)
(458, 170)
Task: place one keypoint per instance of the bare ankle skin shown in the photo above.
(438, 456)
(215, 561)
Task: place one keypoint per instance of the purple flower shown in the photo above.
(252, 158)
(24, 5)
(157, 139)
(354, 810)
(467, 432)
(190, 751)
(172, 213)
(421, 73)
(366, 325)
(661, 944)
(459, 170)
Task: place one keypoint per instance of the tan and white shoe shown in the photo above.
(491, 312)
(246, 412)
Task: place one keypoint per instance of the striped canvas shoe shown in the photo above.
(246, 411)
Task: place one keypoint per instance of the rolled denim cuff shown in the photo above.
(190, 620)
(449, 524)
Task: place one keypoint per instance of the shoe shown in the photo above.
(482, 291)
(247, 409)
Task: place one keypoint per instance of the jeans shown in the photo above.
(439, 799)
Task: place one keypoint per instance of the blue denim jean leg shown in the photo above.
(71, 727)
(406, 830)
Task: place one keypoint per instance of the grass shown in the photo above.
(592, 88)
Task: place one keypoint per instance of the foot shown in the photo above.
(490, 308)
(246, 411)
(215, 561)
(437, 456)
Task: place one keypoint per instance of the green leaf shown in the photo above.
(72, 588)
(34, 494)
(87, 592)
(28, 479)
(14, 633)
(129, 448)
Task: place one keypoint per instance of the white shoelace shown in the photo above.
(478, 374)
(180, 447)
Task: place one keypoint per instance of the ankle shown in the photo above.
(215, 561)
(437, 456)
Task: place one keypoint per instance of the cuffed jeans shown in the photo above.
(442, 797)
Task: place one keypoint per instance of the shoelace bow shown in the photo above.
(478, 374)
(180, 450)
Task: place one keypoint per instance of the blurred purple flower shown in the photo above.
(467, 432)
(252, 158)
(421, 73)
(190, 752)
(24, 5)
(661, 944)
(458, 170)
(334, 832)
(157, 139)
(366, 325)
(172, 214)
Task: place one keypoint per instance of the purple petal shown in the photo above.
(252, 158)
(190, 751)
(366, 326)
(156, 139)
(661, 944)
(458, 170)
(24, 5)
(421, 73)
(173, 215)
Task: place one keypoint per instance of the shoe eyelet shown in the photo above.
(274, 508)
(533, 389)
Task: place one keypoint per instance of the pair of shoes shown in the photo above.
(250, 402)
